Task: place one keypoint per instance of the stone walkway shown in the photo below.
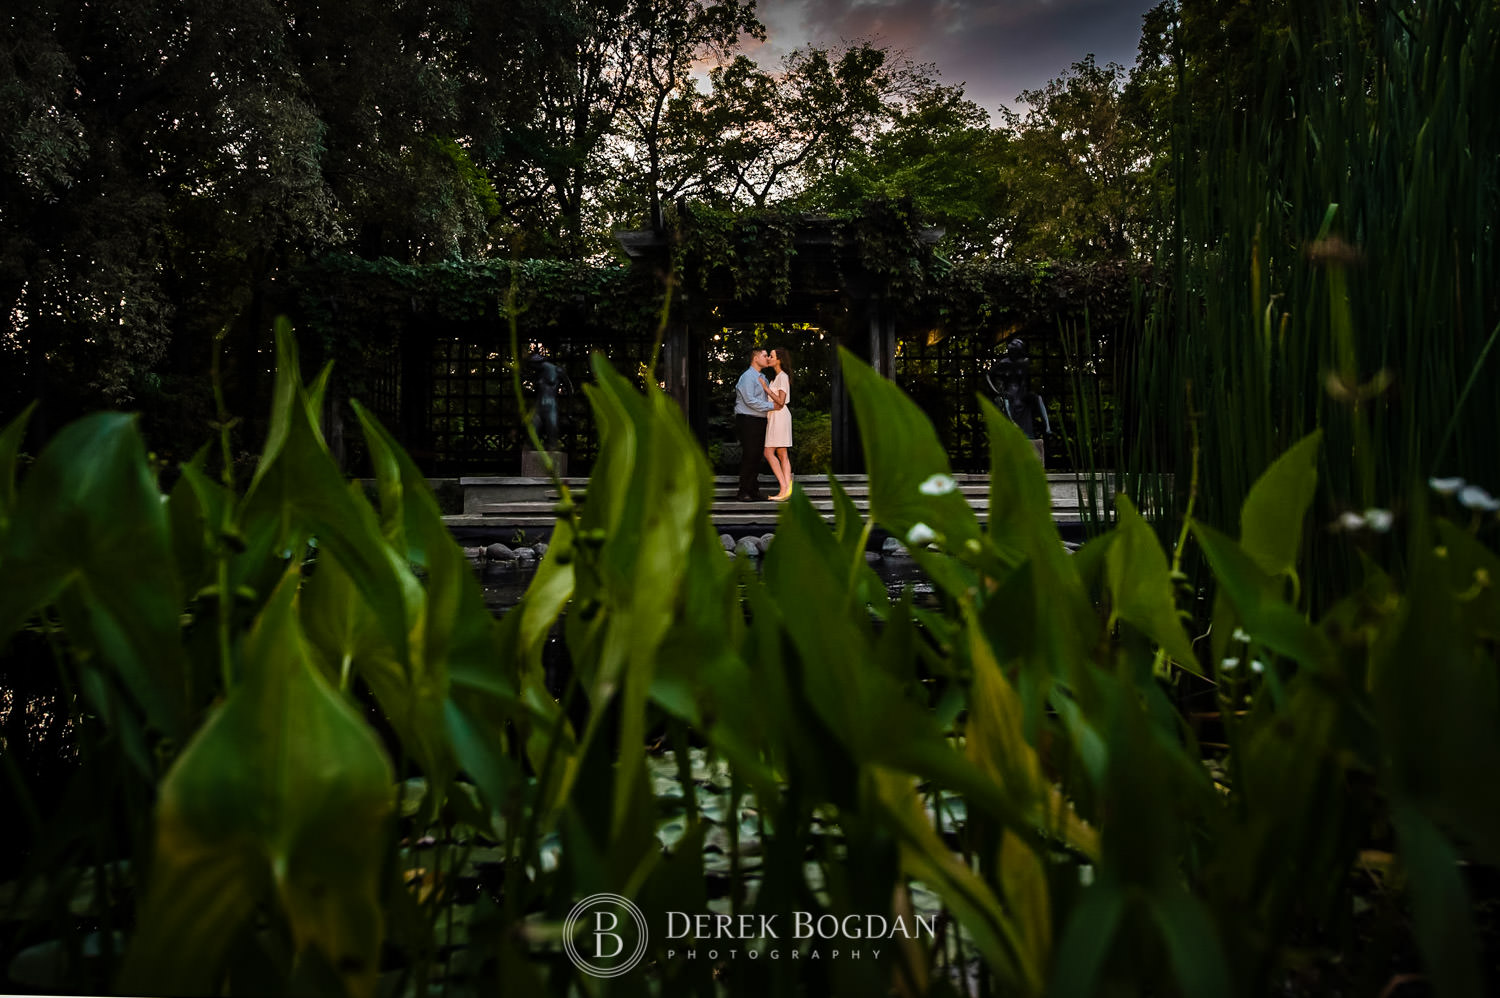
(531, 502)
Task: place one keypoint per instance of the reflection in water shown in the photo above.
(35, 729)
(505, 584)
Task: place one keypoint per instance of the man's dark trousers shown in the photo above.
(752, 431)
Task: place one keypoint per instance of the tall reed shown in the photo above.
(1332, 258)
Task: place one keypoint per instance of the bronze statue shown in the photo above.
(1013, 395)
(547, 376)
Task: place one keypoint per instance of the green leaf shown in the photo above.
(1197, 958)
(1023, 878)
(1255, 597)
(1066, 626)
(805, 574)
(288, 400)
(1444, 911)
(902, 454)
(1272, 515)
(1087, 940)
(1472, 573)
(924, 856)
(1140, 585)
(1436, 693)
(189, 520)
(284, 794)
(647, 500)
(299, 488)
(995, 741)
(89, 517)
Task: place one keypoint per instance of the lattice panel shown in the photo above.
(474, 424)
(943, 374)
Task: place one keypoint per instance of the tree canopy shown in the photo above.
(167, 167)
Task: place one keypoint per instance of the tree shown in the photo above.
(938, 150)
(1077, 186)
(773, 134)
(163, 165)
(672, 36)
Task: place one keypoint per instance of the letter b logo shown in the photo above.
(601, 930)
(614, 946)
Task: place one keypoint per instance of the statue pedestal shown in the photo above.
(532, 465)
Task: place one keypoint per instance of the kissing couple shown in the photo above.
(763, 422)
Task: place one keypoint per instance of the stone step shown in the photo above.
(813, 492)
(532, 502)
(960, 477)
(720, 520)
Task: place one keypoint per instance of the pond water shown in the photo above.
(505, 584)
(36, 730)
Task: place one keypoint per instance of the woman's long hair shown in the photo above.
(784, 356)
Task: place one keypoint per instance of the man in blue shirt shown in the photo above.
(751, 403)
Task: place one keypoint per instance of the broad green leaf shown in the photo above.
(457, 633)
(848, 522)
(1444, 911)
(283, 795)
(995, 741)
(852, 531)
(649, 492)
(902, 455)
(1066, 627)
(1436, 692)
(1089, 561)
(475, 727)
(924, 856)
(995, 738)
(1087, 940)
(806, 576)
(1271, 521)
(869, 714)
(547, 595)
(288, 400)
(1256, 599)
(458, 691)
(189, 522)
(89, 517)
(299, 488)
(1023, 878)
(1140, 585)
(342, 628)
(1472, 572)
(1020, 500)
(1272, 515)
(1197, 958)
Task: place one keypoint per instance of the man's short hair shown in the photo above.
(758, 350)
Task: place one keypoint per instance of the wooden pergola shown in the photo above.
(828, 287)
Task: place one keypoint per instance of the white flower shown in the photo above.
(1445, 486)
(1350, 521)
(1085, 874)
(919, 534)
(1379, 520)
(938, 485)
(1257, 666)
(1229, 663)
(1474, 497)
(1240, 635)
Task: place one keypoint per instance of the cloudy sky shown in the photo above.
(997, 48)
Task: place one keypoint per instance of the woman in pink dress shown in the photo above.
(779, 422)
